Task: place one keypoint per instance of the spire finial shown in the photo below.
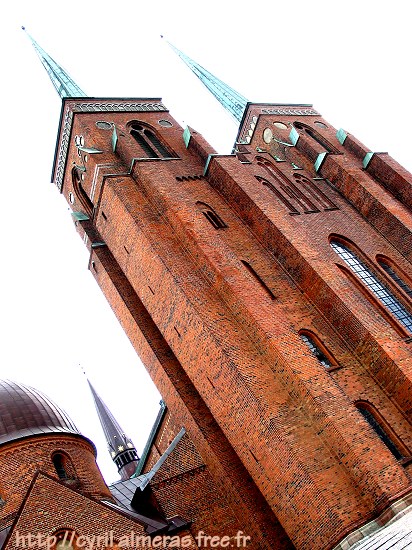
(231, 100)
(63, 83)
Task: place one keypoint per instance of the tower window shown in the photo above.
(387, 266)
(316, 136)
(373, 284)
(149, 142)
(63, 466)
(212, 217)
(80, 193)
(298, 196)
(312, 343)
(382, 430)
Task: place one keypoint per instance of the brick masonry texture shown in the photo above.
(215, 313)
(19, 460)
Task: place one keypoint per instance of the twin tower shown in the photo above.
(268, 293)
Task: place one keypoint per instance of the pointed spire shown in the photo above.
(64, 84)
(231, 100)
(121, 447)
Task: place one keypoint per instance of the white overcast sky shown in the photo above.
(351, 59)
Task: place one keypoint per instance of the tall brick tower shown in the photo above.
(268, 293)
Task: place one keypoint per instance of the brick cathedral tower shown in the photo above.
(268, 294)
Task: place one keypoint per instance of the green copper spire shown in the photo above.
(65, 86)
(231, 100)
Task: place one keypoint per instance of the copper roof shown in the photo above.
(25, 411)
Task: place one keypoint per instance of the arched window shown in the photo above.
(383, 294)
(63, 466)
(317, 349)
(149, 142)
(80, 192)
(383, 430)
(212, 217)
(317, 137)
(399, 279)
(65, 539)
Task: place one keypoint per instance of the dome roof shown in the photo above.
(25, 411)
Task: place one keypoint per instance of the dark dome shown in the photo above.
(24, 411)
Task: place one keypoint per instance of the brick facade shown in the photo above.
(216, 265)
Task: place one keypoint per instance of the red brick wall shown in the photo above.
(51, 507)
(222, 338)
(19, 460)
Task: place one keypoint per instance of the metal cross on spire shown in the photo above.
(231, 100)
(64, 84)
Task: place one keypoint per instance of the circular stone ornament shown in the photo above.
(103, 125)
(267, 135)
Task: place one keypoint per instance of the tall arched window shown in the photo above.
(382, 430)
(317, 137)
(80, 193)
(399, 279)
(317, 349)
(63, 466)
(211, 215)
(149, 142)
(373, 284)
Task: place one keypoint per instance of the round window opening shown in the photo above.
(103, 125)
(267, 135)
(165, 123)
(320, 124)
(280, 125)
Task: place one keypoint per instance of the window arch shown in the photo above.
(65, 539)
(317, 137)
(210, 214)
(393, 272)
(317, 349)
(149, 141)
(80, 193)
(380, 291)
(63, 466)
(383, 430)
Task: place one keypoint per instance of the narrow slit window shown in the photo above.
(258, 279)
(212, 217)
(373, 284)
(382, 430)
(316, 350)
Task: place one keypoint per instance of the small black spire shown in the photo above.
(121, 447)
